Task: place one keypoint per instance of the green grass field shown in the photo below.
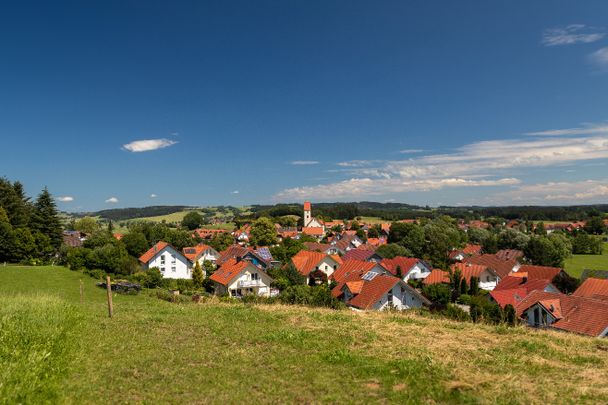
(577, 263)
(55, 349)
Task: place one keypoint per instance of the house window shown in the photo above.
(173, 269)
(172, 259)
(162, 269)
(390, 297)
(487, 278)
(162, 260)
(255, 276)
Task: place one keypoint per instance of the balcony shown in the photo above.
(250, 283)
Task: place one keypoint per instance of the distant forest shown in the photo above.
(386, 211)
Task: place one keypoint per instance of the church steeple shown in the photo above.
(307, 213)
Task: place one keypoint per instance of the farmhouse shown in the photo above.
(170, 261)
(238, 277)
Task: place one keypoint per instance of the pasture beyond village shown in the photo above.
(56, 349)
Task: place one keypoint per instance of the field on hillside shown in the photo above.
(577, 263)
(56, 349)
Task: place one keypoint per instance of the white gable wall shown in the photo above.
(172, 264)
(488, 281)
(402, 299)
(418, 272)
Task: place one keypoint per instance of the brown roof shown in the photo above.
(194, 252)
(231, 252)
(509, 254)
(593, 288)
(358, 254)
(512, 290)
(146, 257)
(576, 314)
(500, 267)
(372, 291)
(472, 250)
(321, 247)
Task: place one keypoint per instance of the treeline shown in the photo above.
(30, 231)
(120, 214)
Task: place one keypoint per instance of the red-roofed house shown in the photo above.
(501, 267)
(372, 291)
(351, 266)
(239, 277)
(362, 254)
(593, 288)
(316, 265)
(512, 290)
(582, 315)
(437, 276)
(411, 268)
(488, 279)
(170, 261)
(537, 272)
(200, 253)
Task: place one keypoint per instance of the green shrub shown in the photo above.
(454, 312)
(95, 273)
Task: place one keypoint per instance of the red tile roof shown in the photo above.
(228, 271)
(146, 257)
(372, 291)
(208, 233)
(194, 252)
(307, 206)
(538, 272)
(500, 267)
(593, 288)
(351, 266)
(509, 297)
(358, 254)
(576, 314)
(306, 261)
(313, 231)
(469, 270)
(437, 276)
(405, 263)
(472, 250)
(511, 282)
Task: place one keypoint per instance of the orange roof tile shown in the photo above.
(313, 231)
(307, 206)
(228, 271)
(405, 263)
(146, 257)
(306, 261)
(593, 288)
(472, 250)
(194, 252)
(469, 270)
(539, 272)
(500, 267)
(351, 266)
(355, 287)
(437, 276)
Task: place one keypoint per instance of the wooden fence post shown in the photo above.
(109, 288)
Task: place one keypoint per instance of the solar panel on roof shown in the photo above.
(369, 275)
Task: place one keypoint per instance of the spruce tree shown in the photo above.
(45, 218)
(197, 275)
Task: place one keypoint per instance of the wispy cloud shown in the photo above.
(599, 58)
(356, 163)
(480, 164)
(65, 198)
(589, 129)
(234, 192)
(410, 151)
(146, 145)
(558, 192)
(112, 200)
(304, 162)
(153, 195)
(571, 34)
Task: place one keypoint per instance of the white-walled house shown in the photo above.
(200, 253)
(240, 277)
(411, 268)
(315, 264)
(170, 261)
(486, 276)
(373, 291)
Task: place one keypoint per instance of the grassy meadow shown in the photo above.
(55, 349)
(577, 263)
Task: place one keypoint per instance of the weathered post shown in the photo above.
(109, 288)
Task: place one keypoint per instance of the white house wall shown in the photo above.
(175, 264)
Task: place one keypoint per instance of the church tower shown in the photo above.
(307, 213)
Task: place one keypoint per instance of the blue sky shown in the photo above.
(424, 102)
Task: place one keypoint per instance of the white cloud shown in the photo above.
(66, 198)
(153, 195)
(234, 192)
(304, 162)
(600, 58)
(479, 164)
(146, 145)
(589, 129)
(356, 163)
(571, 34)
(408, 151)
(558, 192)
(112, 200)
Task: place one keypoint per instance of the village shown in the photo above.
(359, 272)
